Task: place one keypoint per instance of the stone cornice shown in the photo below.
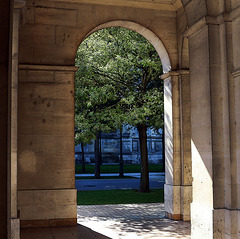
(174, 73)
(207, 20)
(48, 68)
(148, 4)
(19, 4)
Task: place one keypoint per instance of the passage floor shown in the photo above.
(141, 221)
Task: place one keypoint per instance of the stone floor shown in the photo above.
(140, 221)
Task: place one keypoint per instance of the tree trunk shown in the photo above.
(97, 157)
(121, 157)
(163, 148)
(144, 181)
(100, 147)
(83, 159)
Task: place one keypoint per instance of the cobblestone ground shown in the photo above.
(125, 221)
(132, 221)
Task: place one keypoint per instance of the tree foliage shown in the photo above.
(117, 83)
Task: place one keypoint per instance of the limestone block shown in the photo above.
(222, 223)
(27, 16)
(169, 23)
(15, 228)
(186, 200)
(47, 204)
(55, 16)
(47, 106)
(26, 52)
(63, 107)
(68, 36)
(177, 173)
(184, 2)
(48, 143)
(46, 91)
(36, 105)
(41, 34)
(202, 191)
(40, 170)
(172, 199)
(65, 77)
(64, 125)
(170, 40)
(233, 223)
(39, 77)
(195, 9)
(36, 125)
(236, 39)
(52, 54)
(235, 4)
(181, 19)
(201, 221)
(187, 169)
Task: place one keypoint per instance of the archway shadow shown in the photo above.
(71, 232)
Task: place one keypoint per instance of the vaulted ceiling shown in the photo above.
(168, 5)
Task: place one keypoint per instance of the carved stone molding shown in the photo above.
(48, 68)
(207, 20)
(174, 73)
(19, 4)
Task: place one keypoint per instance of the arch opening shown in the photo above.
(146, 33)
(155, 41)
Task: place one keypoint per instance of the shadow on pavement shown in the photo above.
(74, 232)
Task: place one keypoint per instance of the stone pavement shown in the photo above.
(130, 221)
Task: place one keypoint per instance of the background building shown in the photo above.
(110, 147)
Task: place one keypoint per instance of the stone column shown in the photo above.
(233, 38)
(186, 161)
(210, 141)
(5, 16)
(234, 88)
(177, 189)
(13, 108)
(46, 163)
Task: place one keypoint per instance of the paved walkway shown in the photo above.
(156, 181)
(123, 221)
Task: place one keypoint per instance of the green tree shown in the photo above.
(119, 72)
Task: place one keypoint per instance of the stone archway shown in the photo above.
(178, 187)
(49, 36)
(145, 32)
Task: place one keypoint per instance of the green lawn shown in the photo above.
(115, 168)
(101, 197)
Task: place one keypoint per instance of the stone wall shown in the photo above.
(46, 145)
(50, 33)
(4, 64)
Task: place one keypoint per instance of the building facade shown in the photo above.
(110, 149)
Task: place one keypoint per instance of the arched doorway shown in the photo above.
(46, 86)
(177, 126)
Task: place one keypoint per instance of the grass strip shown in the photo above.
(100, 197)
(104, 177)
(133, 168)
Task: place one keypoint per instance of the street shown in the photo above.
(156, 181)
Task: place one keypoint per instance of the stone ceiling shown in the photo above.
(167, 5)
